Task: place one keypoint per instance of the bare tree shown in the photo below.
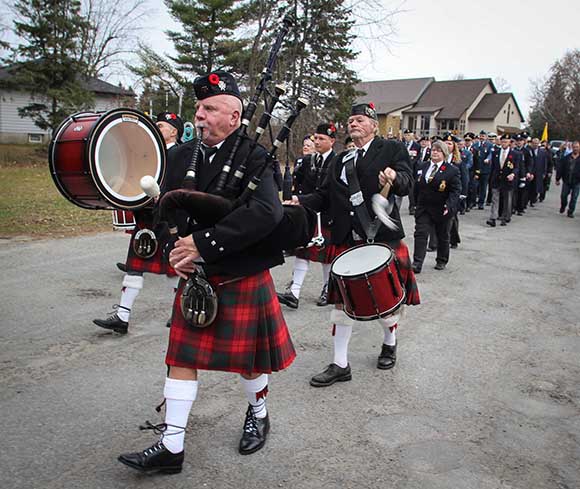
(501, 84)
(112, 33)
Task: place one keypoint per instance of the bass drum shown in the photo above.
(97, 159)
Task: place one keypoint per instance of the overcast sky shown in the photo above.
(516, 40)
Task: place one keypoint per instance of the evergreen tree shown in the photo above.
(44, 63)
(208, 38)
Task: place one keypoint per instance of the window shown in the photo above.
(35, 138)
(412, 123)
(425, 123)
(462, 126)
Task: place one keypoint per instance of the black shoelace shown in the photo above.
(251, 423)
(160, 429)
(113, 314)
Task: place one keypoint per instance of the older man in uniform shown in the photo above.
(249, 335)
(353, 178)
(308, 178)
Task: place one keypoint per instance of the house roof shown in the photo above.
(390, 95)
(491, 104)
(94, 85)
(454, 96)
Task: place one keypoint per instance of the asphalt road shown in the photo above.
(485, 394)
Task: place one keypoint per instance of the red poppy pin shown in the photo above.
(371, 105)
(213, 79)
(443, 167)
(331, 128)
(172, 116)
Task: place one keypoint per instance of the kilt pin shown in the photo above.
(405, 267)
(157, 263)
(249, 334)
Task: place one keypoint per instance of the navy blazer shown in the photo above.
(498, 176)
(442, 191)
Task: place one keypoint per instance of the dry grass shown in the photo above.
(31, 205)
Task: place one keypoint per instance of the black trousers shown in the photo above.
(473, 191)
(423, 225)
(483, 181)
(454, 237)
(521, 197)
(532, 191)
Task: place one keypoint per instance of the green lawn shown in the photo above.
(30, 203)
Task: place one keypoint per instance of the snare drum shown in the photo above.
(369, 282)
(123, 220)
(98, 159)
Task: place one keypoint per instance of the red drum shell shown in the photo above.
(368, 281)
(123, 220)
(97, 160)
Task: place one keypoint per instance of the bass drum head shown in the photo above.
(125, 145)
(361, 259)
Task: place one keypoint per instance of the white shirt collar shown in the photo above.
(170, 145)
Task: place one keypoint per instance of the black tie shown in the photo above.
(360, 154)
(208, 152)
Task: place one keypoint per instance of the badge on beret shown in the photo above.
(442, 186)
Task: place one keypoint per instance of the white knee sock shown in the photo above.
(325, 273)
(300, 270)
(389, 325)
(256, 391)
(179, 397)
(132, 285)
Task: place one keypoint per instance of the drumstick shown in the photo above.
(150, 186)
(382, 207)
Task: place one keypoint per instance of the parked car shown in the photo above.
(555, 145)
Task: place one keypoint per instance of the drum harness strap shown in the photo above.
(370, 227)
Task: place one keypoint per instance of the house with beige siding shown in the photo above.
(436, 107)
(16, 129)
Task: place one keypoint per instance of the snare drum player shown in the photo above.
(375, 161)
(249, 335)
(308, 177)
(145, 253)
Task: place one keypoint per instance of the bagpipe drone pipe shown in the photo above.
(298, 223)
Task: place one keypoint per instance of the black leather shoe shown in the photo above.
(288, 299)
(570, 214)
(454, 245)
(416, 269)
(431, 248)
(503, 223)
(562, 210)
(388, 357)
(490, 222)
(520, 213)
(114, 323)
(255, 432)
(323, 299)
(439, 266)
(154, 459)
(332, 374)
(122, 266)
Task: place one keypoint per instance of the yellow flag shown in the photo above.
(545, 133)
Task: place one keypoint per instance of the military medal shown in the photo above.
(442, 186)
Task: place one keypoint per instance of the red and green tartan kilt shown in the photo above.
(405, 267)
(249, 334)
(155, 264)
(319, 255)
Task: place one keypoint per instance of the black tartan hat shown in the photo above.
(365, 109)
(326, 129)
(216, 83)
(172, 119)
(503, 137)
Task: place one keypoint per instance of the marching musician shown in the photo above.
(249, 335)
(438, 189)
(308, 177)
(151, 232)
(375, 161)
